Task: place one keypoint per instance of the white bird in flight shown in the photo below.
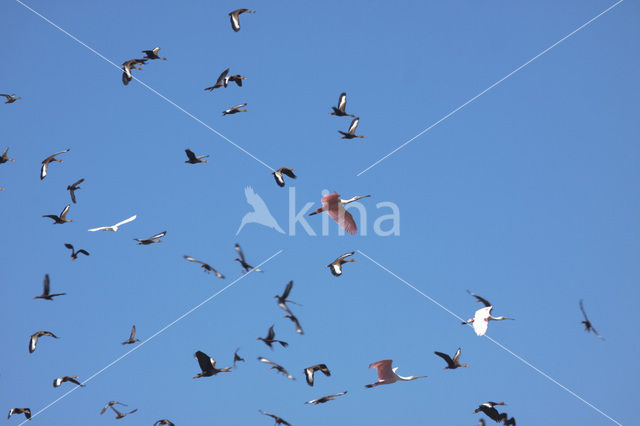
(115, 227)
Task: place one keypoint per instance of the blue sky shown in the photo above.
(528, 197)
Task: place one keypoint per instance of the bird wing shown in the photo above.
(342, 102)
(343, 218)
(238, 106)
(287, 290)
(133, 332)
(204, 361)
(235, 21)
(99, 229)
(266, 361)
(78, 182)
(132, 218)
(344, 256)
(8, 97)
(33, 341)
(583, 312)
(308, 373)
(480, 299)
(383, 369)
(446, 357)
(238, 249)
(64, 211)
(46, 284)
(220, 79)
(83, 251)
(43, 170)
(73, 195)
(324, 369)
(271, 334)
(57, 153)
(191, 259)
(190, 155)
(288, 172)
(156, 50)
(353, 126)
(330, 199)
(456, 357)
(480, 323)
(160, 235)
(277, 175)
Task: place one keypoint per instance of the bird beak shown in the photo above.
(311, 214)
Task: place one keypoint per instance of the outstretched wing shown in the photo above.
(583, 312)
(190, 155)
(480, 299)
(132, 218)
(288, 172)
(444, 356)
(344, 219)
(353, 126)
(238, 249)
(46, 283)
(342, 102)
(160, 235)
(287, 290)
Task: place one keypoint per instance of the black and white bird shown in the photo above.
(74, 254)
(482, 316)
(71, 379)
(114, 228)
(283, 171)
(278, 420)
(336, 265)
(351, 133)
(120, 415)
(339, 111)
(132, 337)
(49, 159)
(237, 358)
(151, 240)
(109, 404)
(245, 266)
(25, 411)
(60, 219)
(73, 188)
(270, 339)
(208, 366)
(296, 322)
(488, 408)
(325, 398)
(153, 54)
(220, 82)
(5, 158)
(237, 78)
(454, 363)
(205, 266)
(192, 159)
(234, 110)
(33, 341)
(235, 18)
(587, 324)
(309, 372)
(163, 422)
(10, 98)
(129, 65)
(283, 298)
(277, 367)
(46, 295)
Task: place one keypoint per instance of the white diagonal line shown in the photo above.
(148, 87)
(490, 87)
(518, 357)
(162, 330)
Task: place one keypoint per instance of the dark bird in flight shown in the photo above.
(283, 298)
(73, 188)
(33, 341)
(454, 363)
(234, 110)
(270, 339)
(277, 367)
(351, 133)
(74, 254)
(129, 65)
(205, 266)
(192, 159)
(60, 380)
(10, 98)
(295, 321)
(49, 159)
(45, 290)
(245, 266)
(235, 18)
(220, 82)
(336, 265)
(237, 78)
(488, 408)
(131, 340)
(60, 219)
(153, 54)
(5, 157)
(325, 398)
(151, 240)
(587, 324)
(25, 411)
(310, 371)
(339, 111)
(109, 404)
(237, 358)
(208, 366)
(283, 171)
(120, 415)
(163, 422)
(278, 420)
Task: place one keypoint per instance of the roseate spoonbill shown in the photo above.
(454, 363)
(260, 213)
(153, 54)
(387, 375)
(334, 205)
(192, 159)
(60, 219)
(279, 420)
(152, 239)
(587, 324)
(221, 81)
(132, 337)
(163, 422)
(72, 379)
(33, 341)
(270, 339)
(128, 66)
(295, 321)
(342, 104)
(208, 366)
(49, 159)
(282, 299)
(120, 415)
(114, 228)
(481, 320)
(109, 404)
(336, 265)
(73, 188)
(245, 266)
(237, 358)
(5, 157)
(10, 98)
(74, 254)
(235, 18)
(234, 110)
(25, 411)
(488, 408)
(278, 175)
(310, 371)
(351, 133)
(237, 78)
(277, 367)
(205, 266)
(325, 398)
(45, 291)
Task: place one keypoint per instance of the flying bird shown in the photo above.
(283, 298)
(33, 341)
(245, 266)
(128, 66)
(220, 82)
(234, 110)
(237, 358)
(277, 367)
(235, 18)
(334, 206)
(454, 363)
(270, 339)
(336, 265)
(113, 228)
(10, 98)
(74, 254)
(278, 175)
(205, 266)
(351, 133)
(5, 157)
(278, 420)
(120, 415)
(49, 159)
(260, 213)
(60, 219)
(73, 188)
(131, 340)
(163, 422)
(60, 380)
(153, 54)
(309, 372)
(192, 159)
(339, 111)
(587, 324)
(295, 321)
(325, 398)
(151, 240)
(237, 78)
(387, 375)
(488, 408)
(25, 411)
(208, 366)
(45, 291)
(110, 404)
(481, 320)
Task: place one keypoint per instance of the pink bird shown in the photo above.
(332, 204)
(387, 375)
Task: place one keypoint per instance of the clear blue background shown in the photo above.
(529, 197)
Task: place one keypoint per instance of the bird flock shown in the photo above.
(332, 204)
